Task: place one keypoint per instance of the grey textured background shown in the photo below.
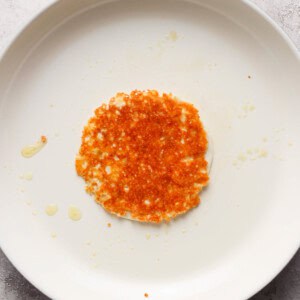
(14, 14)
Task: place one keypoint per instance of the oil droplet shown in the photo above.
(74, 213)
(27, 176)
(31, 150)
(51, 209)
(172, 36)
(263, 153)
(148, 236)
(53, 235)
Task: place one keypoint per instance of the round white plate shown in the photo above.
(227, 59)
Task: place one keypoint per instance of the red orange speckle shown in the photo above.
(44, 139)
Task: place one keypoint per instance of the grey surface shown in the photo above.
(14, 14)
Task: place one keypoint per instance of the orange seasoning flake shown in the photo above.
(143, 156)
(43, 139)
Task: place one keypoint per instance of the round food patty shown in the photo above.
(143, 156)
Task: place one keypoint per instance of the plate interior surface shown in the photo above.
(226, 60)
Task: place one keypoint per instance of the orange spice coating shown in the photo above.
(43, 139)
(143, 156)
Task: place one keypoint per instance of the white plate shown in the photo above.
(77, 54)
